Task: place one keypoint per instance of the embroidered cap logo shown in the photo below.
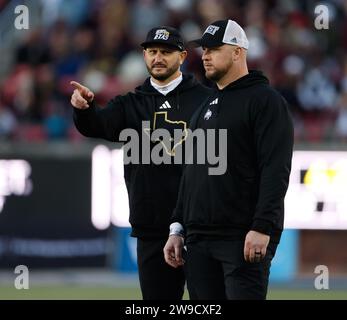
(211, 29)
(161, 34)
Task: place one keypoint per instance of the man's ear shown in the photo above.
(237, 53)
(183, 56)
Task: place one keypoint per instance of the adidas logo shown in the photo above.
(234, 40)
(165, 105)
(215, 101)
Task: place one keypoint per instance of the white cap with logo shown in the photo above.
(223, 32)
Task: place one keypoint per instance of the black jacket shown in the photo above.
(152, 189)
(250, 194)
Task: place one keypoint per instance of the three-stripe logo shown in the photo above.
(165, 105)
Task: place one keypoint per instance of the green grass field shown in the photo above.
(109, 293)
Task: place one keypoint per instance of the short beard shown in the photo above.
(169, 72)
(219, 74)
(216, 76)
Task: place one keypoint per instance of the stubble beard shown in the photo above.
(217, 75)
(163, 76)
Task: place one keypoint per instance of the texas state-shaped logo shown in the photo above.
(172, 133)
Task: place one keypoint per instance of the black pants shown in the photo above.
(158, 280)
(217, 270)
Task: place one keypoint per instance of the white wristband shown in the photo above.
(176, 229)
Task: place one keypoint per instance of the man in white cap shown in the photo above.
(232, 223)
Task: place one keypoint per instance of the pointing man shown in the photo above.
(166, 98)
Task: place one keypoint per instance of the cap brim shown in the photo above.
(164, 43)
(195, 43)
(207, 43)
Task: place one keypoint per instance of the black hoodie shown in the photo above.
(152, 189)
(250, 194)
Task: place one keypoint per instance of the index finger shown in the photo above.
(169, 259)
(77, 85)
(246, 252)
(166, 254)
(178, 254)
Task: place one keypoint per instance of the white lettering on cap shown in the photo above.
(161, 34)
(211, 29)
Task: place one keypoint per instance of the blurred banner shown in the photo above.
(316, 197)
(65, 211)
(45, 211)
(285, 265)
(125, 257)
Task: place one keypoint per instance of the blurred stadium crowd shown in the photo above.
(96, 42)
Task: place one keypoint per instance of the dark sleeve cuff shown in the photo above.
(262, 226)
(176, 217)
(92, 106)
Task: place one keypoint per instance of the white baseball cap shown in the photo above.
(222, 32)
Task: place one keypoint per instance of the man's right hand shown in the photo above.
(173, 251)
(81, 96)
